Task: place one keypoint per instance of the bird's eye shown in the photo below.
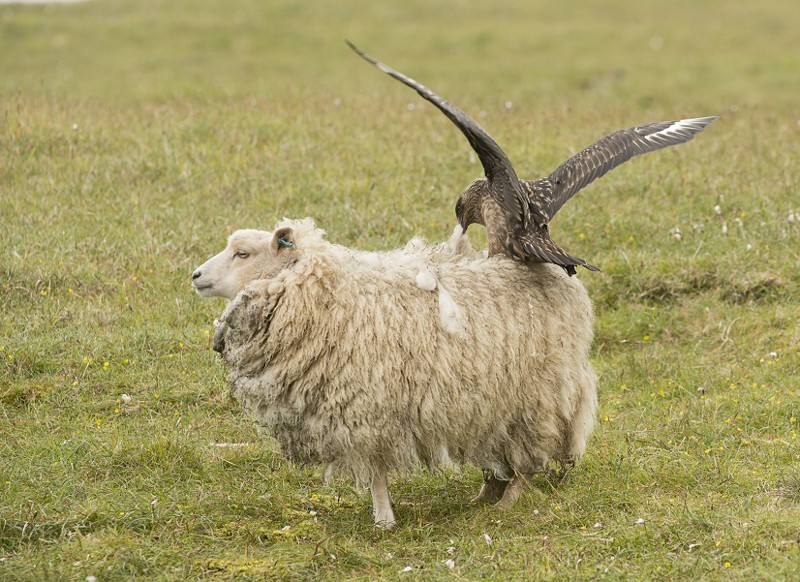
(241, 254)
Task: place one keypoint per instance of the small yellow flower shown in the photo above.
(646, 338)
(631, 238)
(43, 292)
(180, 344)
(728, 564)
(116, 411)
(793, 420)
(135, 278)
(582, 235)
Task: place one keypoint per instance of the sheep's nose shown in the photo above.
(196, 275)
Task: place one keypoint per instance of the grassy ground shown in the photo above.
(134, 136)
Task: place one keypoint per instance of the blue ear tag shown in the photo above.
(284, 242)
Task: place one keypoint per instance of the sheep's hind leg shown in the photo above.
(492, 488)
(513, 491)
(381, 504)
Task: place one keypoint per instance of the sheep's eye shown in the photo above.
(241, 254)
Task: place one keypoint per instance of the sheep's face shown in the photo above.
(250, 255)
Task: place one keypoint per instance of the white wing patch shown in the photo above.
(681, 130)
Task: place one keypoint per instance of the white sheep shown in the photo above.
(369, 362)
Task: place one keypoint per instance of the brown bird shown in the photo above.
(517, 213)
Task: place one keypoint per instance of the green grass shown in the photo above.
(135, 136)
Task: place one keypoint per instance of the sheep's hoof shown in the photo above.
(513, 492)
(385, 525)
(491, 490)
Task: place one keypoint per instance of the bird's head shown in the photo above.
(468, 207)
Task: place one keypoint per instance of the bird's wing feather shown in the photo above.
(536, 244)
(504, 184)
(548, 195)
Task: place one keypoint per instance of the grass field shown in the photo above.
(134, 136)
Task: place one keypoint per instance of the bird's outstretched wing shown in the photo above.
(549, 194)
(503, 182)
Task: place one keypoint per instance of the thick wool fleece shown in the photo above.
(348, 361)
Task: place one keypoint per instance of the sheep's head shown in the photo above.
(250, 255)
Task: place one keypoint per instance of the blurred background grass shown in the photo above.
(134, 136)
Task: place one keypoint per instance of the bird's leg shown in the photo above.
(381, 503)
(492, 488)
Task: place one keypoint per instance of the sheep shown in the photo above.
(370, 362)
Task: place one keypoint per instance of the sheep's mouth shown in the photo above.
(202, 289)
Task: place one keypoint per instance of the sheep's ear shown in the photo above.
(283, 239)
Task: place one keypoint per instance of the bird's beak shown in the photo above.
(463, 226)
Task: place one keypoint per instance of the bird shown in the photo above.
(517, 213)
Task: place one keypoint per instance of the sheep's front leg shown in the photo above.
(381, 504)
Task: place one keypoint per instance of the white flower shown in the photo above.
(717, 209)
(488, 539)
(724, 228)
(406, 569)
(125, 398)
(450, 563)
(639, 521)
